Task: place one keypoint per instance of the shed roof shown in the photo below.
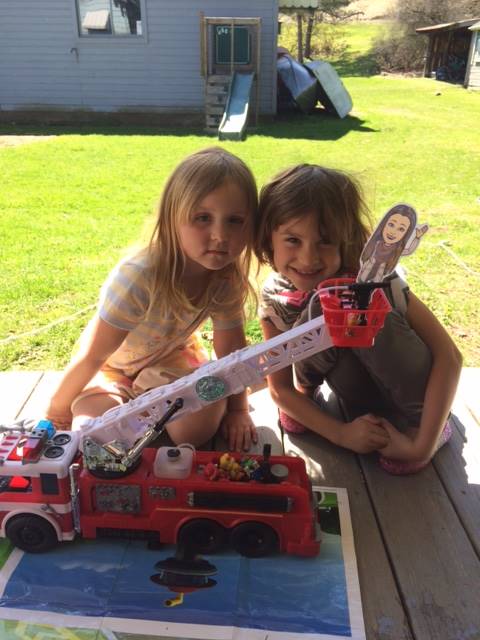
(475, 27)
(448, 26)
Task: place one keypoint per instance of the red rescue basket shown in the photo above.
(349, 326)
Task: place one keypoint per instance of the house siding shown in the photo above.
(44, 63)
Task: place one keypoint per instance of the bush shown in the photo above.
(328, 41)
(399, 52)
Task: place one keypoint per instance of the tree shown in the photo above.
(402, 49)
(422, 13)
(326, 11)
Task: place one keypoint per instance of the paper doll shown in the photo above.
(396, 235)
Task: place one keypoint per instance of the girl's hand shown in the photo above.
(401, 446)
(239, 430)
(59, 415)
(364, 434)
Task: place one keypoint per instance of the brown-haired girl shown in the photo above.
(312, 226)
(143, 334)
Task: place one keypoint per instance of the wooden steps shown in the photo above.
(216, 94)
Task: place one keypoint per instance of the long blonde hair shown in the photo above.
(194, 178)
(335, 197)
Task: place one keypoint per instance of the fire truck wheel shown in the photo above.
(254, 539)
(202, 536)
(31, 533)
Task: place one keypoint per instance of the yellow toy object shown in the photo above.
(233, 469)
(226, 462)
(174, 602)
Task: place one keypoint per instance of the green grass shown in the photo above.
(361, 34)
(70, 206)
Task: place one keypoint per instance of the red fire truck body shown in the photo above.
(49, 500)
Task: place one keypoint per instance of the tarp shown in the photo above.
(309, 83)
(298, 81)
(331, 91)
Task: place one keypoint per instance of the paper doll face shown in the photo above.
(395, 229)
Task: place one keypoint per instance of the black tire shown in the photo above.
(202, 536)
(254, 539)
(31, 533)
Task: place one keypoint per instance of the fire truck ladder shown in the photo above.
(211, 382)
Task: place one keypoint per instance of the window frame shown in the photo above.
(128, 37)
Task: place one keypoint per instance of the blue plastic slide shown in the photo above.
(234, 120)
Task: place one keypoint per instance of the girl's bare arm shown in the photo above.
(99, 343)
(237, 425)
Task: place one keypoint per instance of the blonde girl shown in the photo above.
(144, 332)
(397, 394)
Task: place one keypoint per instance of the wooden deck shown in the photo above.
(417, 538)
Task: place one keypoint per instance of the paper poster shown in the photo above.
(90, 590)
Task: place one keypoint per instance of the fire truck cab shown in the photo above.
(35, 500)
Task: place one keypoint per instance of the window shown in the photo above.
(49, 484)
(109, 17)
(223, 45)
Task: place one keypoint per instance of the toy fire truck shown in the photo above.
(107, 480)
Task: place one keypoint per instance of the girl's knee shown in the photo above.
(196, 434)
(92, 406)
(197, 428)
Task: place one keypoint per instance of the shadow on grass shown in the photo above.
(318, 125)
(354, 65)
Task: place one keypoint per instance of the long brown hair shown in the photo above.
(194, 178)
(336, 198)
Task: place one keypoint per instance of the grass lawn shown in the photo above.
(72, 204)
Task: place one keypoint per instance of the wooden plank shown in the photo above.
(219, 79)
(458, 466)
(435, 565)
(332, 466)
(38, 400)
(458, 463)
(468, 391)
(217, 90)
(214, 110)
(16, 387)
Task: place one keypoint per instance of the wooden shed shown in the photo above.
(122, 57)
(453, 52)
(472, 77)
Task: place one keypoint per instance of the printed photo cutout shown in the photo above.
(397, 234)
